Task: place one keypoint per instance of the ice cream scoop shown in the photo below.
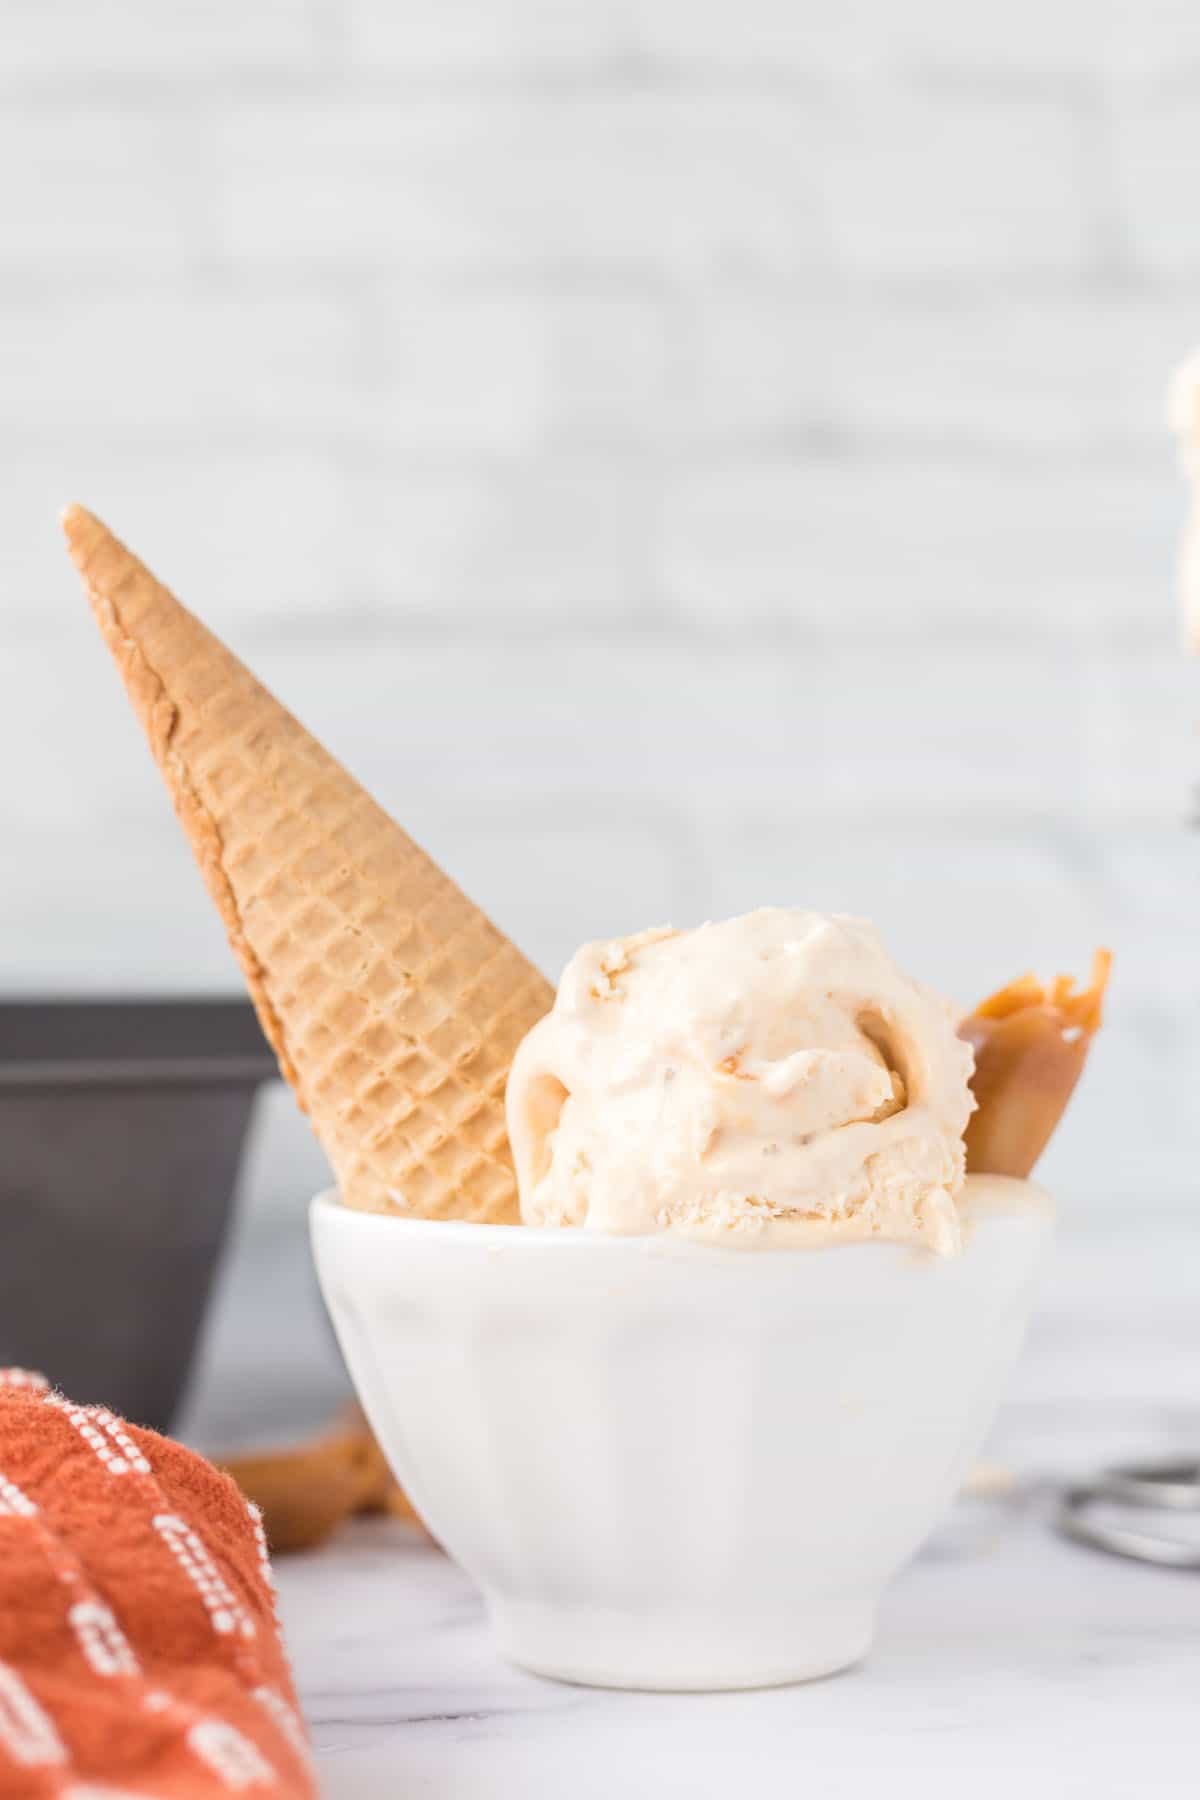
(772, 1079)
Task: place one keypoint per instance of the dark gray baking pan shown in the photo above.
(121, 1128)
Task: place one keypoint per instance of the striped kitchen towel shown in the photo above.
(140, 1652)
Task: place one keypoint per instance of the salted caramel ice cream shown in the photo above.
(770, 1080)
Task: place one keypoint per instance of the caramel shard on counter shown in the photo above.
(304, 1493)
(1030, 1042)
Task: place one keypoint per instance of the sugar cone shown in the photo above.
(1030, 1044)
(393, 1005)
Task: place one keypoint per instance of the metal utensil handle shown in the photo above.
(1170, 1486)
(1118, 1539)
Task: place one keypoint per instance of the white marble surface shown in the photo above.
(1007, 1662)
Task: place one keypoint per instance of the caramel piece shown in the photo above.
(305, 1493)
(1030, 1042)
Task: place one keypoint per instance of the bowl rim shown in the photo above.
(1011, 1200)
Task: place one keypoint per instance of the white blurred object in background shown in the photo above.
(1184, 413)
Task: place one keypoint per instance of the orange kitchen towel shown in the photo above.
(140, 1652)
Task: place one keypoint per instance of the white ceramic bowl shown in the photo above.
(673, 1466)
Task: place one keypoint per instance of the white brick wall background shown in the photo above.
(681, 454)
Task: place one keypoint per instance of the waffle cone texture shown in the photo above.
(393, 1004)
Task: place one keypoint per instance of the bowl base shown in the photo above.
(614, 1650)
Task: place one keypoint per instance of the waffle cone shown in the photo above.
(393, 1004)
